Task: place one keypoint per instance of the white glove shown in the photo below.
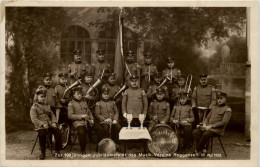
(114, 121)
(124, 115)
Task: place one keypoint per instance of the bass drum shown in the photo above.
(164, 141)
(107, 146)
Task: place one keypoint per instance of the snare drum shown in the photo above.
(164, 141)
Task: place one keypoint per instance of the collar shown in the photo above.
(204, 86)
(101, 61)
(170, 68)
(105, 100)
(78, 62)
(111, 84)
(47, 86)
(76, 100)
(148, 64)
(40, 103)
(222, 105)
(63, 85)
(134, 88)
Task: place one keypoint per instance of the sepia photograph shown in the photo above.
(114, 81)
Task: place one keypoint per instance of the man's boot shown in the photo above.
(42, 156)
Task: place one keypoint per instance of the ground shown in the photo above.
(19, 145)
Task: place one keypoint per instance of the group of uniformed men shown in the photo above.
(163, 97)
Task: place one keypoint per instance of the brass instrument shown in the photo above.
(78, 82)
(188, 81)
(164, 81)
(92, 102)
(120, 91)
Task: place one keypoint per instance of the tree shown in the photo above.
(178, 29)
(31, 31)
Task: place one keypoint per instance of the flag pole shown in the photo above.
(121, 34)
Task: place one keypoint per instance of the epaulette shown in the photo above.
(229, 109)
(105, 85)
(71, 102)
(35, 105)
(97, 104)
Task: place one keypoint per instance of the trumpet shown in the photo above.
(78, 82)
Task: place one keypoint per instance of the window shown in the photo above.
(107, 42)
(75, 38)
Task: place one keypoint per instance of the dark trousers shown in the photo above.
(43, 135)
(134, 123)
(82, 132)
(201, 138)
(187, 134)
(115, 129)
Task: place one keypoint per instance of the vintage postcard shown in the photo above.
(127, 83)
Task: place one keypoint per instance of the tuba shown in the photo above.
(92, 102)
(78, 82)
(120, 91)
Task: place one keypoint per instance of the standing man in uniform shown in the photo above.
(134, 102)
(101, 67)
(78, 67)
(203, 98)
(147, 71)
(51, 98)
(132, 68)
(172, 74)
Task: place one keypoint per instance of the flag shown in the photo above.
(118, 65)
(119, 58)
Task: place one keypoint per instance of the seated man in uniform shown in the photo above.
(45, 121)
(107, 116)
(81, 116)
(182, 118)
(214, 124)
(159, 109)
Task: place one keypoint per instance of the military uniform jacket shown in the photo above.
(134, 102)
(99, 67)
(41, 114)
(132, 68)
(78, 69)
(113, 89)
(106, 109)
(159, 108)
(171, 73)
(59, 91)
(145, 71)
(218, 118)
(152, 90)
(75, 111)
(204, 96)
(51, 98)
(182, 113)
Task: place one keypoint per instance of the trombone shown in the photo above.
(188, 84)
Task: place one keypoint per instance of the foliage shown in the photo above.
(177, 30)
(238, 52)
(31, 31)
